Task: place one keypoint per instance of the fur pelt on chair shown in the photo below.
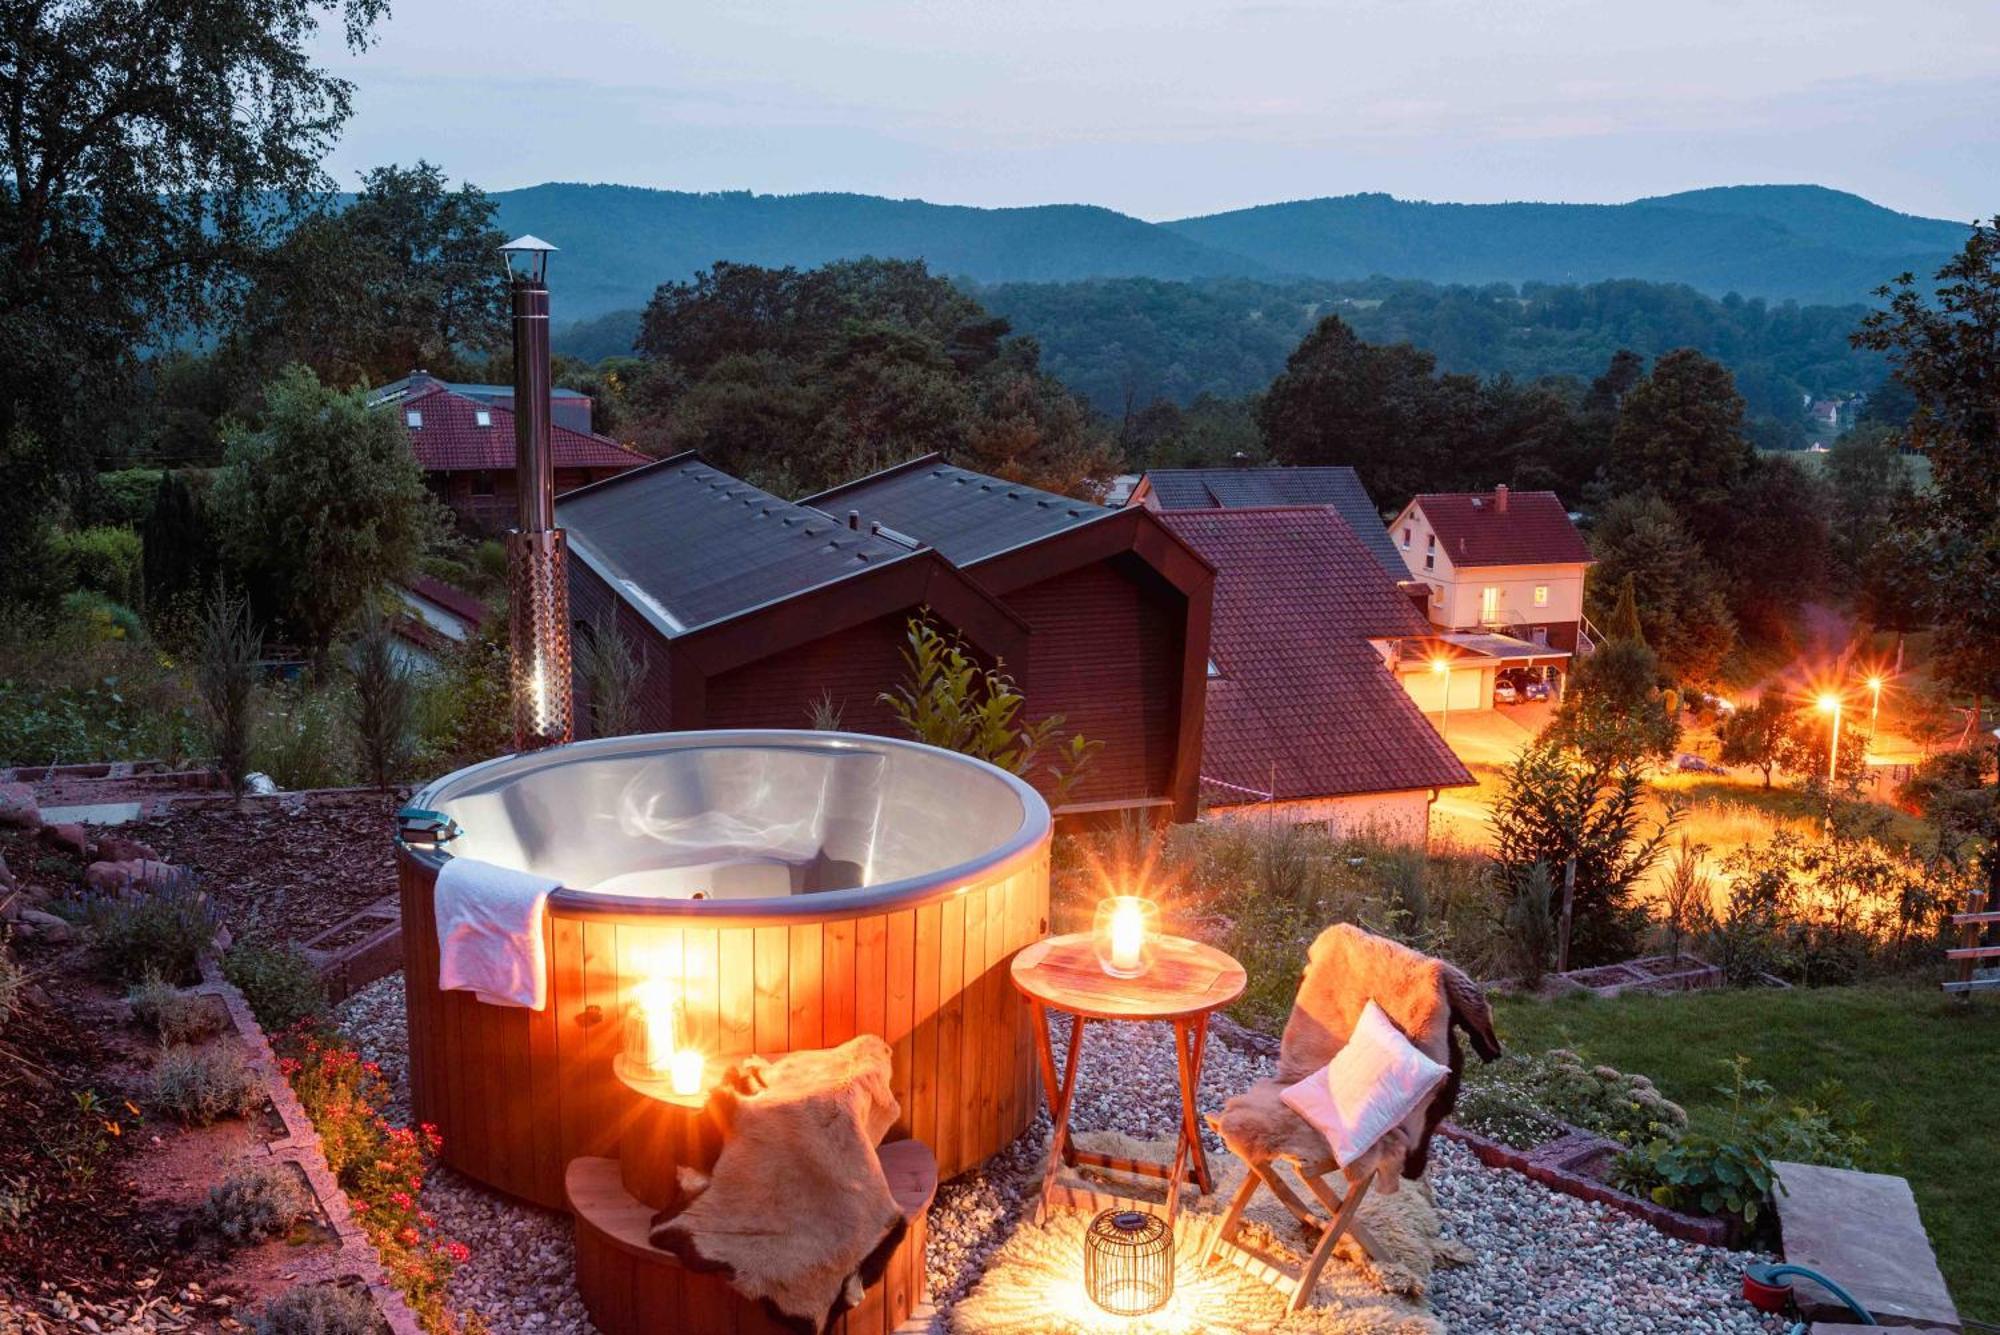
(1426, 998)
(796, 1211)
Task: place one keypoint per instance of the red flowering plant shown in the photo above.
(380, 1165)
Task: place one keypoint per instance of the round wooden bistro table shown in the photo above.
(1187, 982)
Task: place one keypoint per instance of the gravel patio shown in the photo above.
(1545, 1261)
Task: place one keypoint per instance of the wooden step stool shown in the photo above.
(630, 1287)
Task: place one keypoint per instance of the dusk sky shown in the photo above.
(1165, 108)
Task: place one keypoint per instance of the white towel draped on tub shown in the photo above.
(489, 926)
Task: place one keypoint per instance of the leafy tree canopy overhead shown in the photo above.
(151, 147)
(1945, 347)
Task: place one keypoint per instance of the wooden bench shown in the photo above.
(629, 1287)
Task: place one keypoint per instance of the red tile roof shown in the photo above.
(452, 441)
(1304, 704)
(1533, 528)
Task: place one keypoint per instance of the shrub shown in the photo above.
(1556, 807)
(202, 1085)
(262, 1201)
(1728, 1172)
(69, 694)
(318, 1309)
(1529, 1094)
(124, 495)
(1685, 912)
(382, 706)
(1529, 921)
(227, 677)
(611, 670)
(380, 1165)
(949, 700)
(106, 559)
(173, 1016)
(100, 617)
(280, 983)
(163, 932)
(301, 740)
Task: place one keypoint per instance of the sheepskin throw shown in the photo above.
(1426, 998)
(796, 1211)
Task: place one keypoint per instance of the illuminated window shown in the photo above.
(1489, 603)
(1430, 551)
(1541, 595)
(414, 418)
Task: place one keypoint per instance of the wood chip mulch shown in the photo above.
(283, 869)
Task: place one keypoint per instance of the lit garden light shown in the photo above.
(538, 583)
(1128, 1262)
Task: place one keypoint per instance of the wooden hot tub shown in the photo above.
(856, 885)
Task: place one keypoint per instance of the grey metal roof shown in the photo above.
(1236, 488)
(966, 516)
(692, 545)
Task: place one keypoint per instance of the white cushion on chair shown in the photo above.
(1372, 1084)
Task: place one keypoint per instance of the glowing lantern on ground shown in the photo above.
(1128, 1262)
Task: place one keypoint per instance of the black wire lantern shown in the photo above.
(1128, 1262)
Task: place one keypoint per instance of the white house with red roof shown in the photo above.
(463, 436)
(1505, 574)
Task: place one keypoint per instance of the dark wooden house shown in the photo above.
(754, 611)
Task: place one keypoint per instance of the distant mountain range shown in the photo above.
(1781, 242)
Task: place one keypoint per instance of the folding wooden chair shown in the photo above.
(1428, 1000)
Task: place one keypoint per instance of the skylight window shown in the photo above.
(482, 418)
(414, 418)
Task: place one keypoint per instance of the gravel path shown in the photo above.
(1547, 1262)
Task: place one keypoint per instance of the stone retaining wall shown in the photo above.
(300, 1145)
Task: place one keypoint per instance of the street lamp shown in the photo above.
(1442, 667)
(538, 583)
(1875, 706)
(1829, 703)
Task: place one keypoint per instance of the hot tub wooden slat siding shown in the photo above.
(518, 1094)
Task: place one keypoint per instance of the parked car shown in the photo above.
(1689, 763)
(1504, 692)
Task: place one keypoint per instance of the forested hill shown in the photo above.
(1131, 341)
(1802, 243)
(620, 242)
(1127, 342)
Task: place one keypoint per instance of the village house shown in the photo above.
(463, 436)
(1305, 720)
(757, 612)
(1503, 578)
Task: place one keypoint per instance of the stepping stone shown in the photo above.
(1861, 1230)
(93, 813)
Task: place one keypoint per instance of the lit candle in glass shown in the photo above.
(684, 1071)
(654, 1013)
(1126, 930)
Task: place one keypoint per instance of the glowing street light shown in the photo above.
(1875, 705)
(1829, 703)
(1442, 667)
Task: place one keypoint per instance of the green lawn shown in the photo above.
(1928, 1064)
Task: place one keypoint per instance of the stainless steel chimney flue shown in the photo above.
(537, 552)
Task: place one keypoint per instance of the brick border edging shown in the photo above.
(301, 1145)
(1554, 1166)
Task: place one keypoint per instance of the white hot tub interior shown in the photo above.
(735, 816)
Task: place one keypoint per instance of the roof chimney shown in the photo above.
(854, 520)
(1500, 499)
